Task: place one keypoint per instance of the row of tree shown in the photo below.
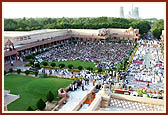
(28, 24)
(157, 28)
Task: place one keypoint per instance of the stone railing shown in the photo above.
(138, 99)
(64, 97)
(77, 106)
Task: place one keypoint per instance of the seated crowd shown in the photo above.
(111, 53)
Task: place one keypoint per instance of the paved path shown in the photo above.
(147, 59)
(75, 97)
(16, 65)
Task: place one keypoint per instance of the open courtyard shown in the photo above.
(31, 89)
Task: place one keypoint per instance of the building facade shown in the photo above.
(162, 36)
(20, 44)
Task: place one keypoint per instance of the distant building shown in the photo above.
(121, 12)
(162, 36)
(135, 13)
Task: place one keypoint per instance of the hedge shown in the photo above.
(131, 59)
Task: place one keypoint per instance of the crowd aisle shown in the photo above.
(149, 74)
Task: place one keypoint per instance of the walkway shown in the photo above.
(75, 97)
(147, 59)
(16, 65)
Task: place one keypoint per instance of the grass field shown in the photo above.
(31, 89)
(76, 63)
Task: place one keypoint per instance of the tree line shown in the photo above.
(28, 24)
(157, 28)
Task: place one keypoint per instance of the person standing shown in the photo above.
(76, 85)
(93, 82)
(73, 87)
(11, 63)
(82, 87)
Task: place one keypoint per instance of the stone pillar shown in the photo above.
(16, 57)
(117, 79)
(10, 59)
(5, 108)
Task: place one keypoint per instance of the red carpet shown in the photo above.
(144, 81)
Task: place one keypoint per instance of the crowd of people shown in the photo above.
(152, 67)
(107, 53)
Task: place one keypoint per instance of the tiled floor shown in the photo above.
(133, 106)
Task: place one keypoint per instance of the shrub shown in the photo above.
(27, 64)
(41, 105)
(36, 73)
(76, 70)
(45, 76)
(5, 72)
(10, 70)
(29, 109)
(52, 76)
(27, 72)
(53, 64)
(18, 71)
(89, 68)
(31, 62)
(80, 67)
(50, 96)
(100, 69)
(61, 65)
(70, 66)
(30, 57)
(44, 63)
(80, 78)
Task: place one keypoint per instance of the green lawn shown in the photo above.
(31, 89)
(76, 63)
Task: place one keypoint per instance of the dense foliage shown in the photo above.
(30, 108)
(157, 28)
(27, 24)
(50, 96)
(18, 71)
(41, 104)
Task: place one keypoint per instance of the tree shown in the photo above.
(41, 105)
(31, 61)
(53, 64)
(50, 96)
(36, 73)
(44, 63)
(61, 65)
(80, 67)
(100, 69)
(10, 70)
(29, 109)
(157, 33)
(27, 72)
(89, 68)
(5, 72)
(70, 66)
(18, 71)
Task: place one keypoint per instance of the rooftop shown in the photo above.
(24, 33)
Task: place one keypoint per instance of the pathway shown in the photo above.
(75, 97)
